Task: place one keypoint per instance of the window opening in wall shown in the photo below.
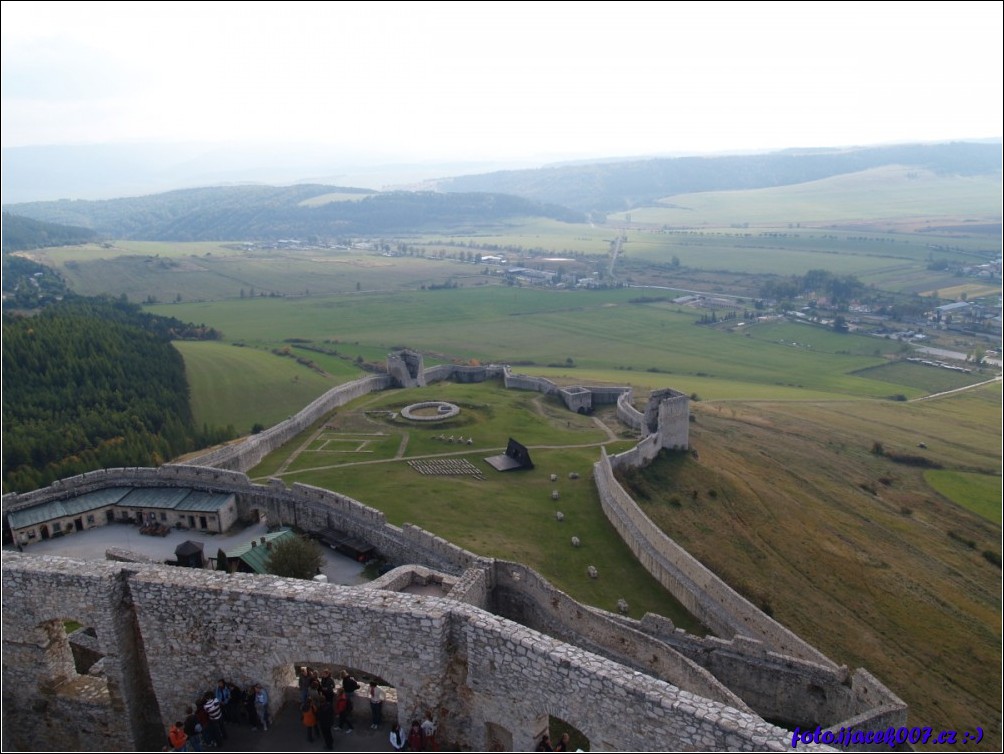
(70, 654)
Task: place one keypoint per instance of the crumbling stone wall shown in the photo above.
(781, 687)
(406, 368)
(527, 382)
(522, 595)
(261, 625)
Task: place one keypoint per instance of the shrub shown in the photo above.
(296, 558)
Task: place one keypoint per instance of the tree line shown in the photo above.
(270, 213)
(23, 233)
(94, 383)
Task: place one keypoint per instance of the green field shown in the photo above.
(606, 337)
(337, 196)
(922, 377)
(245, 386)
(980, 493)
(166, 272)
(880, 194)
(362, 451)
(597, 330)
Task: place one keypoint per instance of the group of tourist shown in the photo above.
(420, 737)
(564, 743)
(206, 720)
(325, 705)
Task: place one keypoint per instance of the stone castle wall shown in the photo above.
(406, 368)
(259, 627)
(527, 382)
(249, 452)
(522, 595)
(674, 419)
(627, 413)
(706, 596)
(782, 687)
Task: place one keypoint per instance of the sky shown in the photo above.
(506, 80)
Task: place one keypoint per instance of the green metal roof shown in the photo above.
(155, 497)
(256, 556)
(176, 498)
(204, 502)
(39, 514)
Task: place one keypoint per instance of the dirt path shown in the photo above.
(296, 453)
(403, 446)
(956, 390)
(610, 433)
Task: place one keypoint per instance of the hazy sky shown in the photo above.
(502, 80)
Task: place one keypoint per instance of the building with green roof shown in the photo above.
(180, 507)
(252, 557)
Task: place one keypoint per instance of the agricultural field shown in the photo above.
(923, 377)
(247, 386)
(880, 196)
(163, 272)
(573, 336)
(980, 493)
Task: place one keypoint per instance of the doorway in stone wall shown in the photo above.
(577, 740)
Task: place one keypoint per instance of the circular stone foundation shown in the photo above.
(430, 411)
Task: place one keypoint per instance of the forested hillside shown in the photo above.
(93, 383)
(616, 186)
(30, 285)
(22, 233)
(269, 213)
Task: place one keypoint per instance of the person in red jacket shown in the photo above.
(176, 735)
(343, 708)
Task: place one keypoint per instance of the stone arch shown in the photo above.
(578, 739)
(399, 638)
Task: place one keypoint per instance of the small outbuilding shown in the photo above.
(190, 554)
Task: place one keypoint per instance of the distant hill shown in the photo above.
(23, 233)
(611, 187)
(268, 212)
